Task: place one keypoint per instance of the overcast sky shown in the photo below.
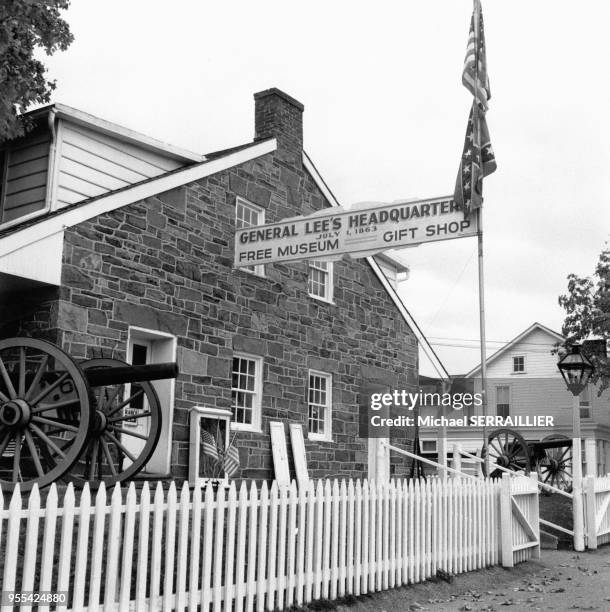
(385, 118)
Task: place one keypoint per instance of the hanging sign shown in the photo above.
(358, 232)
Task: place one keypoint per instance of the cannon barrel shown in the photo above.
(551, 444)
(99, 377)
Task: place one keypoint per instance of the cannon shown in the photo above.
(94, 421)
(551, 457)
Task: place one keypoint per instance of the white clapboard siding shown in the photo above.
(26, 178)
(537, 348)
(258, 548)
(18, 186)
(87, 163)
(30, 167)
(92, 163)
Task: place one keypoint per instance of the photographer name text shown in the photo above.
(471, 421)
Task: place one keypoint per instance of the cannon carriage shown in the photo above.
(551, 457)
(94, 421)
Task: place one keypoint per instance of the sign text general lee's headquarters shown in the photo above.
(359, 232)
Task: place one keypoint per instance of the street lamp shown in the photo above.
(576, 369)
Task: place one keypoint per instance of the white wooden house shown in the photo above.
(523, 379)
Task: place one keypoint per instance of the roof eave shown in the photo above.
(118, 131)
(512, 343)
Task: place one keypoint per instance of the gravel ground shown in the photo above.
(561, 580)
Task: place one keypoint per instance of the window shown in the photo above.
(210, 437)
(427, 447)
(319, 406)
(320, 281)
(518, 364)
(584, 400)
(503, 401)
(247, 215)
(246, 386)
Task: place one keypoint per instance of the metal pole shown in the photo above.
(442, 439)
(577, 503)
(482, 329)
(477, 143)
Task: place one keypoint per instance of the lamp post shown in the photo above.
(576, 370)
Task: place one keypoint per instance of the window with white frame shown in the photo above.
(319, 400)
(248, 215)
(246, 391)
(503, 401)
(320, 280)
(427, 446)
(584, 401)
(518, 364)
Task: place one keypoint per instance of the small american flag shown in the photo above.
(208, 444)
(231, 461)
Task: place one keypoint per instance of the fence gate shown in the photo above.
(519, 519)
(597, 510)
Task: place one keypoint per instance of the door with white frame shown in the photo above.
(145, 347)
(378, 451)
(140, 352)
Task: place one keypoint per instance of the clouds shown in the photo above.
(385, 115)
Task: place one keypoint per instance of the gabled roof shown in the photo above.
(507, 347)
(43, 226)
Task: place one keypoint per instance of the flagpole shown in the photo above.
(477, 143)
(482, 328)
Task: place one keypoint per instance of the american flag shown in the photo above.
(474, 77)
(478, 158)
(208, 444)
(231, 461)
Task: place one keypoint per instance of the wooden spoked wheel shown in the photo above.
(506, 449)
(555, 468)
(44, 412)
(125, 430)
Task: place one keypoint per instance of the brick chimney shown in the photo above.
(278, 115)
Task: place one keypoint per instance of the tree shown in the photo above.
(25, 26)
(587, 306)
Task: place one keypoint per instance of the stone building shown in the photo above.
(113, 244)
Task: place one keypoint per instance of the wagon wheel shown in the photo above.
(125, 431)
(44, 412)
(555, 468)
(507, 449)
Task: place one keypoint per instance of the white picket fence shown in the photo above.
(597, 510)
(258, 548)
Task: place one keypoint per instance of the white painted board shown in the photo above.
(298, 454)
(280, 454)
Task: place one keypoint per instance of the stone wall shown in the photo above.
(166, 264)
